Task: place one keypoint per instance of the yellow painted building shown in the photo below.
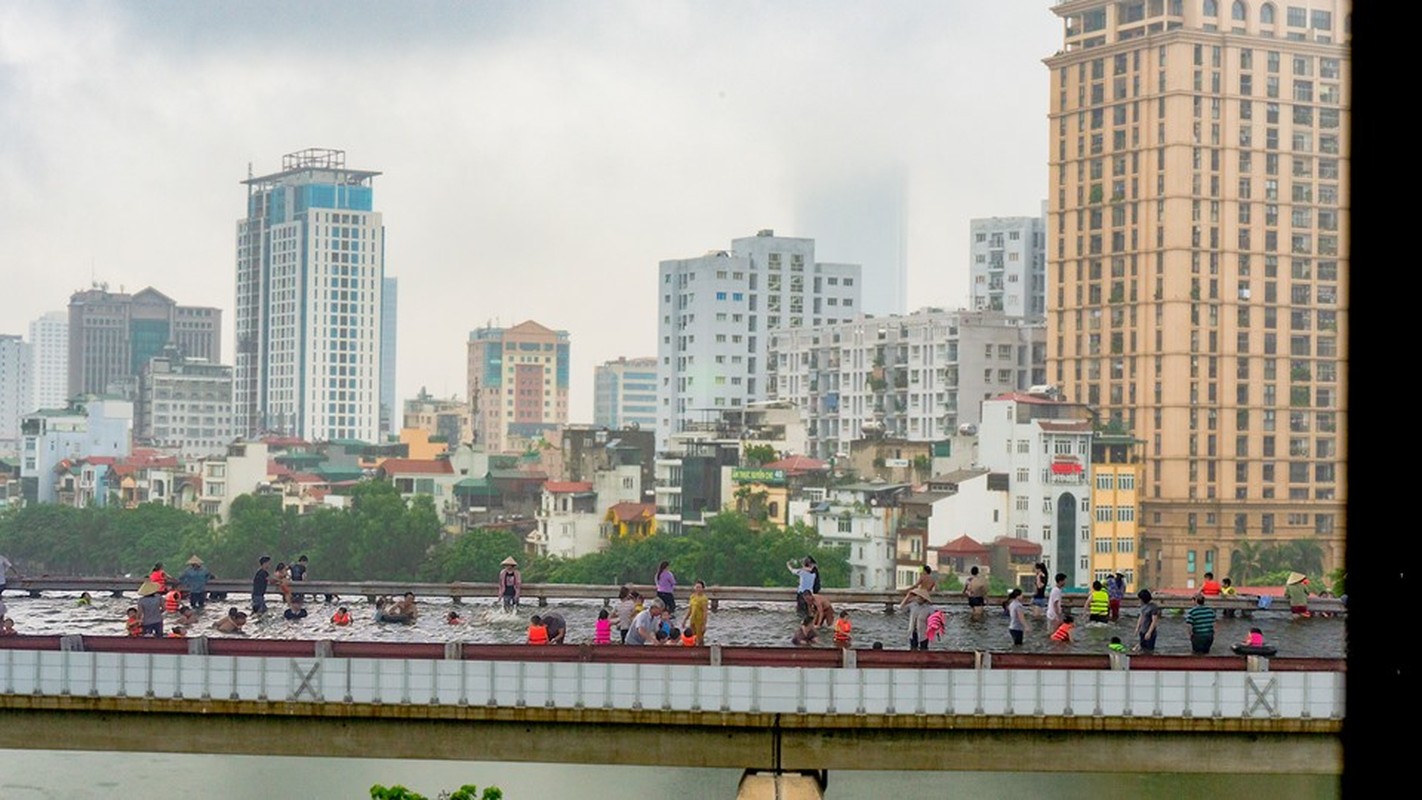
(1116, 509)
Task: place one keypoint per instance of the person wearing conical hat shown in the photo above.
(510, 583)
(150, 608)
(194, 581)
(1296, 590)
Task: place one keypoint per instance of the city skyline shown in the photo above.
(538, 144)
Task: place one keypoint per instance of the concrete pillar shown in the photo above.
(982, 659)
(324, 649)
(454, 651)
(1256, 663)
(780, 786)
(197, 646)
(715, 655)
(71, 643)
(851, 658)
(1119, 661)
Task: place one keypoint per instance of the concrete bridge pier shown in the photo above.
(776, 785)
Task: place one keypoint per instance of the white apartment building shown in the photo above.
(1044, 446)
(95, 427)
(243, 470)
(1008, 266)
(185, 406)
(918, 377)
(716, 311)
(863, 518)
(15, 392)
(310, 270)
(49, 360)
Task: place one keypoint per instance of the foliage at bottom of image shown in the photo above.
(466, 792)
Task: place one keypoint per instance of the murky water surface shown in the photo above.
(769, 624)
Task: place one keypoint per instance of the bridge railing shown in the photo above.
(674, 679)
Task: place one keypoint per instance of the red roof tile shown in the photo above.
(633, 512)
(408, 466)
(567, 487)
(1018, 547)
(796, 465)
(964, 545)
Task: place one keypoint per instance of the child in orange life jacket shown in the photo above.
(341, 617)
(842, 630)
(688, 637)
(134, 625)
(172, 600)
(537, 631)
(453, 618)
(602, 633)
(1063, 633)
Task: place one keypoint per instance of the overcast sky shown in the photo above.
(538, 158)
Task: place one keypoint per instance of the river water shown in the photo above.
(735, 624)
(68, 775)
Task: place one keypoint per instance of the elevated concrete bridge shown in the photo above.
(746, 708)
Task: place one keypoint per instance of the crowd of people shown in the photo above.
(169, 606)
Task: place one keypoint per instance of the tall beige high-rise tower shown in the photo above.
(1197, 267)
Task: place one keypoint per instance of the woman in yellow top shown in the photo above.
(696, 611)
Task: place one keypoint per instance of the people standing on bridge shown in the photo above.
(805, 635)
(1115, 593)
(1098, 603)
(645, 624)
(150, 608)
(602, 629)
(1054, 602)
(805, 587)
(259, 585)
(843, 631)
(281, 576)
(1227, 592)
(194, 580)
(537, 631)
(919, 606)
(1016, 615)
(510, 584)
(7, 568)
(1296, 591)
(232, 623)
(1039, 594)
(697, 609)
(1147, 623)
(976, 590)
(160, 577)
(666, 586)
(626, 609)
(556, 626)
(1201, 619)
(927, 581)
(298, 574)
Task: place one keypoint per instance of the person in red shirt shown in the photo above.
(1211, 587)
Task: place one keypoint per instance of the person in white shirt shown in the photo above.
(1054, 603)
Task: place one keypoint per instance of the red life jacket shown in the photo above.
(537, 634)
(170, 602)
(341, 619)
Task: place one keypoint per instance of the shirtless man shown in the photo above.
(976, 590)
(822, 611)
(405, 606)
(928, 582)
(231, 623)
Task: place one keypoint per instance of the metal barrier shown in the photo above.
(733, 680)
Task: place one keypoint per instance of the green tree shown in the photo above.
(474, 556)
(757, 454)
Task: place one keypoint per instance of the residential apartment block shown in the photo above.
(1007, 266)
(184, 406)
(1043, 445)
(518, 383)
(310, 313)
(715, 314)
(49, 360)
(94, 426)
(625, 393)
(15, 390)
(1197, 262)
(918, 376)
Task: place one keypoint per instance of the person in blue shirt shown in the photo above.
(806, 575)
